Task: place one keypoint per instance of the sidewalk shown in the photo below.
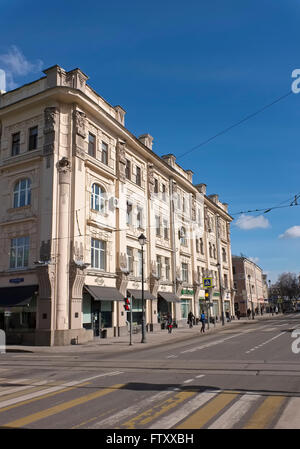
(121, 344)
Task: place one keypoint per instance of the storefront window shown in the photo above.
(216, 308)
(106, 308)
(137, 311)
(184, 308)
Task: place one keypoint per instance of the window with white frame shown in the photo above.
(158, 266)
(15, 144)
(128, 213)
(183, 237)
(129, 252)
(201, 246)
(166, 229)
(128, 169)
(164, 193)
(92, 145)
(214, 252)
(98, 198)
(104, 153)
(167, 268)
(185, 272)
(225, 281)
(19, 252)
(98, 254)
(139, 217)
(157, 225)
(22, 193)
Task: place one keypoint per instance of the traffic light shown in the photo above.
(127, 304)
(207, 294)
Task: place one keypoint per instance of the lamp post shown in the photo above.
(142, 241)
(249, 277)
(221, 294)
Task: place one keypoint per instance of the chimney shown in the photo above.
(190, 175)
(201, 188)
(214, 197)
(225, 206)
(169, 159)
(147, 140)
(120, 114)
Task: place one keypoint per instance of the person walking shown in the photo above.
(170, 324)
(248, 313)
(238, 314)
(191, 318)
(202, 319)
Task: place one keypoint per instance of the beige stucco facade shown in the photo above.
(77, 190)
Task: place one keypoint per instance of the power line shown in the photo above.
(248, 117)
(265, 210)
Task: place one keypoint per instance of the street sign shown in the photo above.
(207, 282)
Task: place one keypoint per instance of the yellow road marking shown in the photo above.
(265, 413)
(159, 409)
(95, 417)
(202, 416)
(62, 407)
(47, 395)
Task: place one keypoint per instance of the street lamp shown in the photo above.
(142, 241)
(221, 294)
(249, 277)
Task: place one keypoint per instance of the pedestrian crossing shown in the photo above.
(182, 407)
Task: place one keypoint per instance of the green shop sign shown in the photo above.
(216, 294)
(187, 292)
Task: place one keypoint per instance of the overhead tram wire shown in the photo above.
(248, 117)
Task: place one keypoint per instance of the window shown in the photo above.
(33, 134)
(127, 169)
(139, 217)
(129, 252)
(199, 274)
(214, 252)
(225, 281)
(19, 252)
(224, 255)
(183, 204)
(15, 149)
(139, 263)
(129, 214)
(197, 246)
(164, 197)
(201, 246)
(233, 270)
(22, 193)
(104, 155)
(97, 198)
(183, 239)
(166, 229)
(210, 250)
(98, 254)
(185, 272)
(138, 176)
(178, 202)
(158, 266)
(167, 268)
(155, 185)
(157, 225)
(92, 145)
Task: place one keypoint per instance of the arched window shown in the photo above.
(98, 198)
(224, 254)
(22, 193)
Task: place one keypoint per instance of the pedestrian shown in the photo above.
(169, 323)
(276, 310)
(191, 318)
(202, 319)
(238, 314)
(248, 313)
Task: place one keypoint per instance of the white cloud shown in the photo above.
(291, 233)
(247, 222)
(15, 64)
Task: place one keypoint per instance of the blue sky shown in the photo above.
(184, 71)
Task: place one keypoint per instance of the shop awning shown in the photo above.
(104, 293)
(137, 294)
(17, 296)
(169, 297)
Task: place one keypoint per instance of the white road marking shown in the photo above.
(188, 381)
(200, 375)
(129, 411)
(212, 343)
(53, 389)
(172, 356)
(185, 410)
(265, 342)
(234, 414)
(15, 389)
(290, 418)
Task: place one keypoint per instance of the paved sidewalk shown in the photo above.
(120, 344)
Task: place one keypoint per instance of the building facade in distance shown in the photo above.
(77, 190)
(250, 286)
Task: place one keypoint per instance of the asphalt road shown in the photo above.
(242, 376)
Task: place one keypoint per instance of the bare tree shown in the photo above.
(288, 284)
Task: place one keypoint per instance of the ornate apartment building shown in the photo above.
(77, 190)
(250, 284)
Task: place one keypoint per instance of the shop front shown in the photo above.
(166, 302)
(99, 308)
(18, 313)
(187, 296)
(137, 306)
